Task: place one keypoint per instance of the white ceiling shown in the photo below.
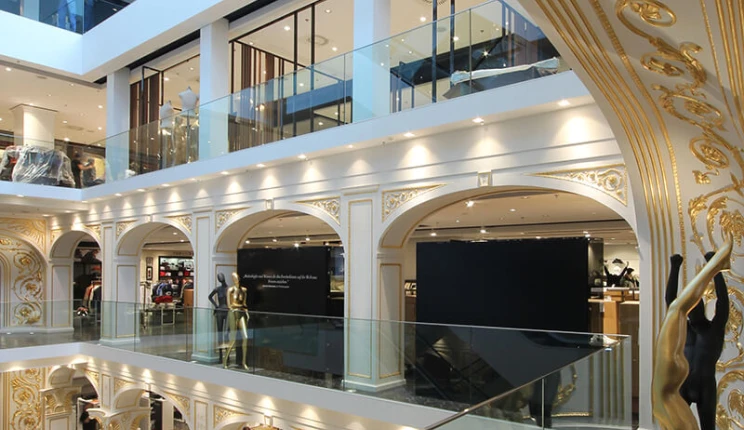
(76, 102)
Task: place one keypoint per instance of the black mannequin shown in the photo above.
(705, 339)
(220, 306)
(614, 280)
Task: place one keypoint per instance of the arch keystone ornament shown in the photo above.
(182, 220)
(123, 226)
(394, 199)
(611, 180)
(330, 205)
(95, 229)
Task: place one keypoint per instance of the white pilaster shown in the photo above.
(371, 67)
(205, 339)
(33, 126)
(214, 69)
(59, 306)
(117, 124)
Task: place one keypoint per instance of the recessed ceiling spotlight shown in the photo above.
(349, 146)
(261, 165)
(118, 194)
(302, 84)
(296, 244)
(141, 190)
(1, 119)
(100, 106)
(455, 38)
(191, 68)
(49, 95)
(512, 210)
(433, 234)
(64, 122)
(612, 238)
(585, 232)
(422, 19)
(587, 235)
(100, 128)
(483, 231)
(247, 241)
(224, 172)
(166, 185)
(175, 233)
(409, 134)
(538, 237)
(302, 157)
(72, 85)
(66, 139)
(83, 201)
(328, 11)
(166, 79)
(479, 120)
(194, 179)
(320, 122)
(8, 69)
(273, 240)
(19, 195)
(470, 203)
(287, 28)
(334, 49)
(250, 43)
(564, 103)
(457, 221)
(307, 239)
(183, 240)
(68, 212)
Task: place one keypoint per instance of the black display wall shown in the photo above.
(535, 284)
(286, 280)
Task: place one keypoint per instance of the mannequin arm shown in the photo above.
(673, 281)
(693, 292)
(211, 298)
(722, 302)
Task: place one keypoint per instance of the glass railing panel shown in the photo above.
(591, 392)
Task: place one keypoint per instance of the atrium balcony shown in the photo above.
(77, 16)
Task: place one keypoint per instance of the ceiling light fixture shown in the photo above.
(66, 139)
(483, 231)
(296, 244)
(273, 240)
(409, 134)
(302, 157)
(175, 233)
(422, 19)
(328, 11)
(8, 69)
(350, 146)
(19, 195)
(183, 240)
(100, 106)
(191, 68)
(538, 237)
(247, 241)
(479, 120)
(166, 79)
(261, 165)
(64, 122)
(334, 49)
(433, 234)
(141, 190)
(470, 203)
(49, 95)
(564, 103)
(100, 128)
(455, 38)
(225, 172)
(320, 122)
(166, 185)
(287, 28)
(118, 194)
(512, 210)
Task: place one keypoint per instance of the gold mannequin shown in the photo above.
(671, 367)
(237, 318)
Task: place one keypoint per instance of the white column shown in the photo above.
(214, 70)
(117, 124)
(205, 341)
(60, 307)
(30, 9)
(166, 415)
(33, 126)
(371, 66)
(120, 307)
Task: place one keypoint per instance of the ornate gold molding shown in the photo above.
(123, 226)
(93, 377)
(611, 180)
(182, 402)
(221, 414)
(55, 234)
(119, 384)
(95, 229)
(330, 205)
(222, 217)
(25, 399)
(393, 199)
(27, 275)
(31, 230)
(184, 221)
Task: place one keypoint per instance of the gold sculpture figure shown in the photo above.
(671, 367)
(237, 318)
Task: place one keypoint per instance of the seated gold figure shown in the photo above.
(237, 318)
(671, 367)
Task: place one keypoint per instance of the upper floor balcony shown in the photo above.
(488, 47)
(77, 16)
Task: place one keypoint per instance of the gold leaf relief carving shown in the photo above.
(717, 212)
(611, 180)
(182, 220)
(331, 206)
(95, 229)
(182, 403)
(123, 226)
(393, 199)
(31, 230)
(55, 235)
(119, 384)
(222, 217)
(26, 399)
(27, 288)
(221, 414)
(93, 377)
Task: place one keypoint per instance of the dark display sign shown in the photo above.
(286, 280)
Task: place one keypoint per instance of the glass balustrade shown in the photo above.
(483, 48)
(514, 375)
(77, 16)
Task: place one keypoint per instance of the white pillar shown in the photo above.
(371, 64)
(30, 9)
(117, 124)
(33, 126)
(214, 70)
(60, 307)
(205, 341)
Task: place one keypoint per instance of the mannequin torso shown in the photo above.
(189, 99)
